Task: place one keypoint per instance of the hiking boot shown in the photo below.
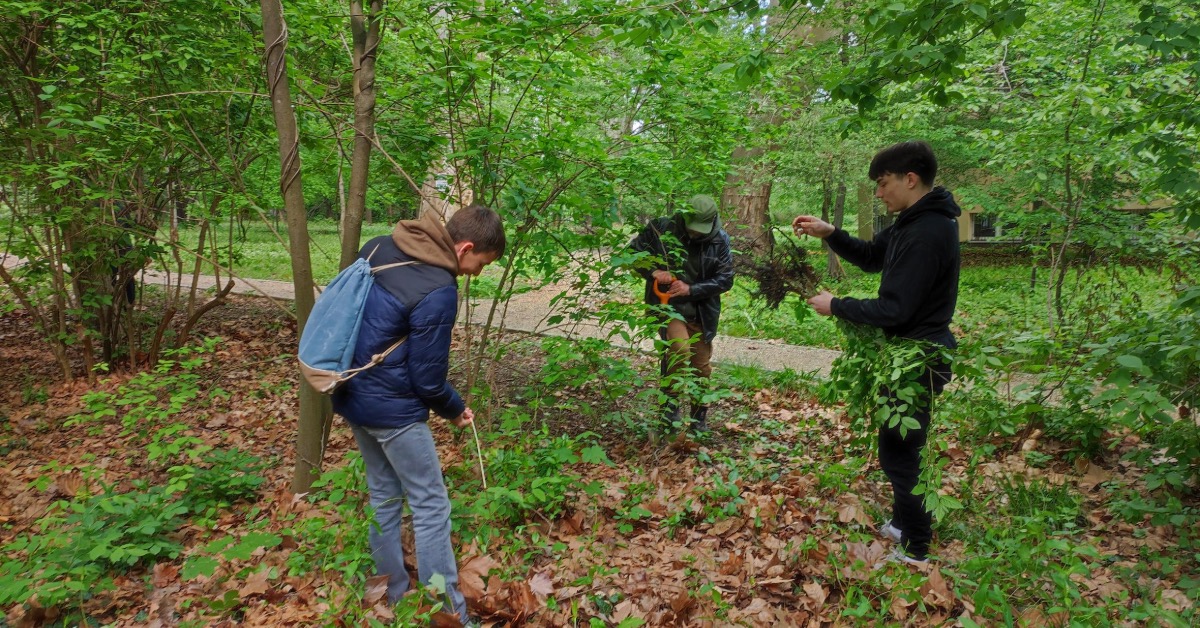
(890, 532)
(670, 414)
(700, 419)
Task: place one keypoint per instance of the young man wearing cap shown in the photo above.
(693, 266)
(918, 257)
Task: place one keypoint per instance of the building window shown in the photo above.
(984, 227)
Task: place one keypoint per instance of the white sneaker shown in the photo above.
(890, 532)
(897, 555)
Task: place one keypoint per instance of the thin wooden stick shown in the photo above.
(479, 450)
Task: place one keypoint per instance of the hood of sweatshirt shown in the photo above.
(937, 201)
(427, 241)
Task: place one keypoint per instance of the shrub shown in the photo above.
(223, 478)
(81, 541)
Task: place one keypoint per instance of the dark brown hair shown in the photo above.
(903, 158)
(480, 226)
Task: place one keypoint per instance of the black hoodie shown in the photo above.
(919, 259)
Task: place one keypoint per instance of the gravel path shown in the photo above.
(530, 311)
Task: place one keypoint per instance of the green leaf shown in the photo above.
(437, 582)
(249, 543)
(595, 455)
(1131, 362)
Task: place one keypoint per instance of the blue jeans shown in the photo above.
(403, 462)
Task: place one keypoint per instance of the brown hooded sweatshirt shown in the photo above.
(427, 241)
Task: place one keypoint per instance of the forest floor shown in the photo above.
(768, 520)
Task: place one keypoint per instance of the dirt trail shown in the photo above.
(530, 311)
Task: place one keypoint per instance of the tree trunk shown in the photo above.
(834, 269)
(829, 204)
(315, 415)
(430, 196)
(456, 195)
(748, 187)
(365, 32)
(748, 192)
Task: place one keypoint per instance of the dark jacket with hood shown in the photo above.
(919, 258)
(704, 263)
(419, 301)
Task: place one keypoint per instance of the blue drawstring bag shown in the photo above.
(331, 332)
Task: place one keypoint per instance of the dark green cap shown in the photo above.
(703, 214)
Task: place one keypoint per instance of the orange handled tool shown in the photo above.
(663, 297)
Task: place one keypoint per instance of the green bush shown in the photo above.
(522, 482)
(1149, 367)
(1041, 550)
(222, 478)
(81, 541)
(148, 401)
(529, 473)
(336, 541)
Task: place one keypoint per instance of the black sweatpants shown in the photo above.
(900, 458)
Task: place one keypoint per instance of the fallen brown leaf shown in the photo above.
(376, 590)
(725, 526)
(851, 509)
(1094, 477)
(624, 610)
(68, 484)
(572, 524)
(732, 565)
(472, 574)
(382, 612)
(935, 591)
(258, 584)
(861, 558)
(816, 593)
(681, 603)
(542, 586)
(164, 574)
(1176, 600)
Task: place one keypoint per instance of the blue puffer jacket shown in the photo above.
(419, 301)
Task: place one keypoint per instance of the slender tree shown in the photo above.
(365, 29)
(315, 413)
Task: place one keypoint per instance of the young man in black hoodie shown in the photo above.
(919, 259)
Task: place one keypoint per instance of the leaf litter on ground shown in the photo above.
(781, 544)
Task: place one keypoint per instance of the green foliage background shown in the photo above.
(137, 134)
